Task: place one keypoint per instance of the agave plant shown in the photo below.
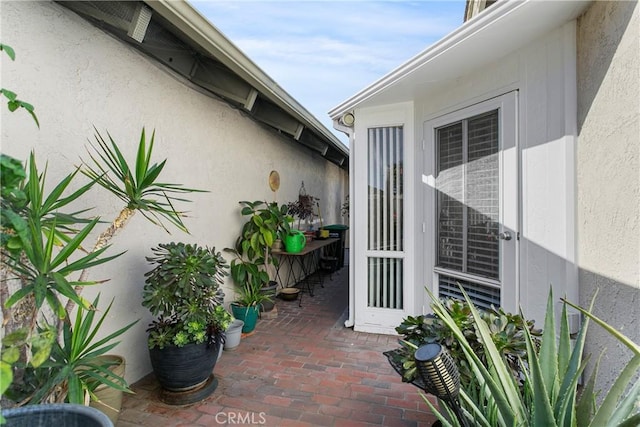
(550, 394)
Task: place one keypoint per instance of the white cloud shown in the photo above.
(323, 52)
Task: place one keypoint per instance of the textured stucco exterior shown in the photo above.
(608, 175)
(77, 76)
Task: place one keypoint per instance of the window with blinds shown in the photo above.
(468, 203)
(385, 216)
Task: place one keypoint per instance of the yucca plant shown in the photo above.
(45, 248)
(75, 368)
(136, 185)
(42, 244)
(550, 394)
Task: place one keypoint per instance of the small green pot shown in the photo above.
(249, 315)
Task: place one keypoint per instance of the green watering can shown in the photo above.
(294, 241)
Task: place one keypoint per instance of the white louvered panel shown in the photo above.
(385, 211)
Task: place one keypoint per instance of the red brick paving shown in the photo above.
(302, 368)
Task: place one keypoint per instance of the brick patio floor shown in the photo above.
(301, 368)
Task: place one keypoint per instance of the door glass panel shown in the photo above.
(385, 185)
(385, 216)
(467, 204)
(385, 283)
(482, 200)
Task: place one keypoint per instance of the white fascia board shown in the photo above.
(182, 15)
(497, 31)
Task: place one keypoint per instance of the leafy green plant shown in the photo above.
(13, 103)
(249, 278)
(250, 266)
(14, 343)
(507, 333)
(550, 394)
(74, 368)
(184, 291)
(266, 222)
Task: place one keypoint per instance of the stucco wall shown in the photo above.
(541, 73)
(608, 175)
(78, 77)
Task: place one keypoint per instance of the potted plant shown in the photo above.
(46, 259)
(253, 262)
(250, 279)
(303, 208)
(78, 369)
(183, 291)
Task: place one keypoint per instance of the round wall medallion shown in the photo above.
(274, 180)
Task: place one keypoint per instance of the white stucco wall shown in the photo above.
(608, 176)
(78, 77)
(541, 73)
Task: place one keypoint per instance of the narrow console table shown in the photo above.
(304, 263)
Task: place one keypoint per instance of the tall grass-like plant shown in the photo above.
(550, 394)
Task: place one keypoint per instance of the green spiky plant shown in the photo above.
(75, 366)
(550, 394)
(45, 247)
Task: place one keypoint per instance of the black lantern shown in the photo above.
(440, 375)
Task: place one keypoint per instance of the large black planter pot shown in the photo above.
(60, 414)
(185, 373)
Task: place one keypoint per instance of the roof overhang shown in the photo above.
(178, 36)
(499, 30)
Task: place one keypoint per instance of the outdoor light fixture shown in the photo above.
(440, 375)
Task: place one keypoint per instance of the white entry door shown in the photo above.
(471, 202)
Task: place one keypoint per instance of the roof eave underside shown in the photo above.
(182, 39)
(499, 30)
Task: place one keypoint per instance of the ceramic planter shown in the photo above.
(249, 315)
(233, 335)
(180, 369)
(59, 414)
(110, 399)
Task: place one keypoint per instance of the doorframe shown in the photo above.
(508, 102)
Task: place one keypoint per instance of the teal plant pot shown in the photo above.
(249, 315)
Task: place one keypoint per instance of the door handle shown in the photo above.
(505, 235)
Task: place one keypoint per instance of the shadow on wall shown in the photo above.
(592, 69)
(617, 304)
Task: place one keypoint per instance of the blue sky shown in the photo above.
(323, 52)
